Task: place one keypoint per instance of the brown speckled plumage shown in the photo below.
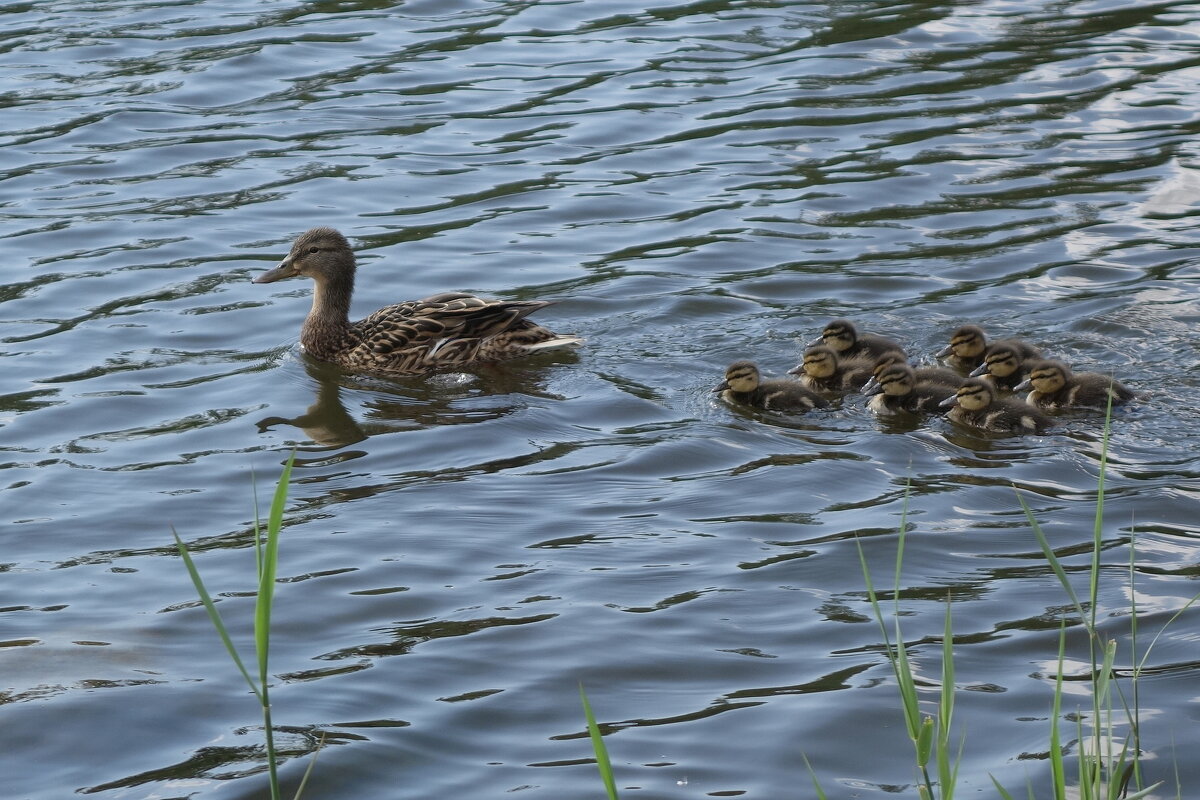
(745, 385)
(451, 329)
(1053, 385)
(976, 404)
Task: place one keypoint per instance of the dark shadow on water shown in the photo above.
(394, 404)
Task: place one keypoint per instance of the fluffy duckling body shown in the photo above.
(976, 404)
(898, 387)
(745, 385)
(451, 329)
(1055, 386)
(1003, 365)
(823, 371)
(847, 342)
(969, 343)
(924, 374)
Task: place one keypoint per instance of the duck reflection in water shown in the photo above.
(395, 404)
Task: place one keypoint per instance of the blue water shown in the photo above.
(692, 183)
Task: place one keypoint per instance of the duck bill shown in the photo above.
(1023, 386)
(796, 370)
(816, 341)
(284, 270)
(720, 387)
(982, 369)
(952, 400)
(945, 351)
(872, 387)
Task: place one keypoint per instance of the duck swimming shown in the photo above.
(451, 329)
(898, 387)
(975, 404)
(847, 342)
(745, 385)
(968, 344)
(823, 371)
(1055, 386)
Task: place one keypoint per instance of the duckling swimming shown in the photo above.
(446, 330)
(924, 374)
(1002, 365)
(1054, 386)
(823, 371)
(898, 387)
(975, 404)
(968, 344)
(745, 385)
(847, 342)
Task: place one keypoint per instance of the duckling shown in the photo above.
(844, 338)
(898, 387)
(744, 384)
(823, 371)
(1002, 365)
(967, 346)
(924, 374)
(975, 404)
(1054, 386)
(450, 329)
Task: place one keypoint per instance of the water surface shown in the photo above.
(693, 183)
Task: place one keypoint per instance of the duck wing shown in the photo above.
(435, 321)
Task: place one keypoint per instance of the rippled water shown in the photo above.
(694, 183)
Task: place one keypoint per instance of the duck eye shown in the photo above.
(314, 249)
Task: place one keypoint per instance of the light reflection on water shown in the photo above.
(694, 183)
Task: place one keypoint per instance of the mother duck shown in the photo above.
(451, 329)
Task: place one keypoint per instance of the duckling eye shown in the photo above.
(314, 249)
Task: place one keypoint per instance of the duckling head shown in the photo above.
(322, 254)
(1001, 360)
(740, 376)
(897, 380)
(840, 335)
(969, 341)
(882, 363)
(888, 359)
(1047, 377)
(975, 394)
(820, 361)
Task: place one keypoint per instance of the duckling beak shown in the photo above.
(1023, 386)
(819, 340)
(945, 351)
(284, 270)
(872, 387)
(796, 370)
(952, 400)
(982, 369)
(720, 387)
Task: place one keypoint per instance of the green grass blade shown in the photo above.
(1055, 564)
(946, 709)
(605, 766)
(816, 784)
(1000, 789)
(1057, 768)
(267, 570)
(213, 614)
(308, 770)
(1098, 525)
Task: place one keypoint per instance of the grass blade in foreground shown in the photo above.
(601, 751)
(266, 560)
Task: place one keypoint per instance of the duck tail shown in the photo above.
(557, 343)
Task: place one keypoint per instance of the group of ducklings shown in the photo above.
(978, 388)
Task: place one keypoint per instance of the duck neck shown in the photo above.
(325, 329)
